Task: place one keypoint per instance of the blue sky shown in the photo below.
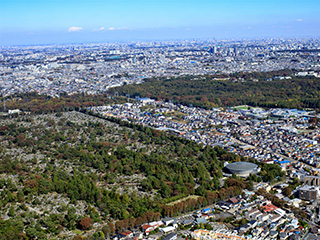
(63, 21)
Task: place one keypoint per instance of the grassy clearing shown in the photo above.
(76, 231)
(183, 199)
(245, 107)
(242, 107)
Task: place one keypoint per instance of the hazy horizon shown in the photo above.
(61, 22)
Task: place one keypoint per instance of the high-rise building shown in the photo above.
(213, 50)
(308, 193)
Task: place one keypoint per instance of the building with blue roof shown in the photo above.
(284, 162)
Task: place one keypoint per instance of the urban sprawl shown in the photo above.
(287, 137)
(94, 68)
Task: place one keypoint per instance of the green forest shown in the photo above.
(261, 89)
(240, 89)
(34, 103)
(76, 157)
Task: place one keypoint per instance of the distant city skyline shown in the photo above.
(59, 21)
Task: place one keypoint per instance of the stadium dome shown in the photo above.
(242, 169)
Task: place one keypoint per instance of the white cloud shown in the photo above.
(121, 28)
(299, 20)
(99, 29)
(75, 29)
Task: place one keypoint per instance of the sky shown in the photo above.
(24, 22)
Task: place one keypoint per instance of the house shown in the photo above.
(290, 228)
(249, 206)
(200, 220)
(294, 223)
(244, 228)
(281, 220)
(295, 202)
(263, 217)
(187, 222)
(273, 234)
(175, 224)
(167, 221)
(273, 226)
(311, 236)
(197, 215)
(294, 236)
(253, 223)
(269, 208)
(118, 236)
(147, 228)
(206, 210)
(156, 224)
(127, 234)
(146, 100)
(224, 205)
(265, 202)
(213, 216)
(253, 214)
(279, 211)
(283, 236)
(268, 161)
(279, 195)
(167, 229)
(205, 216)
(274, 218)
(233, 200)
(315, 230)
(248, 193)
(138, 235)
(264, 233)
(257, 231)
(170, 236)
(14, 111)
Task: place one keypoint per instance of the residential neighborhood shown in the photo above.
(285, 137)
(258, 218)
(86, 169)
(94, 68)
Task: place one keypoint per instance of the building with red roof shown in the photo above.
(269, 208)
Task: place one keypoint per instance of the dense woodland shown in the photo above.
(241, 88)
(256, 89)
(35, 103)
(83, 161)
